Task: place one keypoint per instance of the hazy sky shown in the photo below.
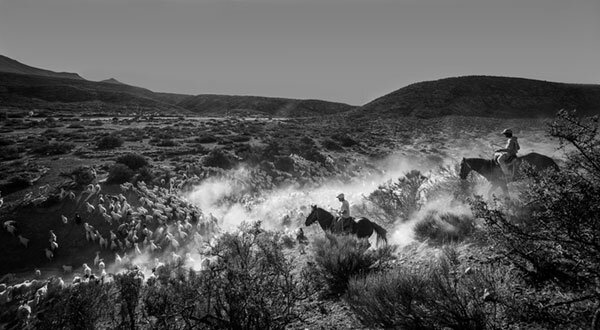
(341, 50)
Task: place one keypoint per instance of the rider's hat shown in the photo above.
(340, 196)
(507, 131)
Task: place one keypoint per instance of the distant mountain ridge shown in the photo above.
(486, 96)
(26, 87)
(13, 66)
(209, 104)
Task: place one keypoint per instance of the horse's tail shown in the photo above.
(381, 233)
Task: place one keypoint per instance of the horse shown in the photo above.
(363, 228)
(490, 169)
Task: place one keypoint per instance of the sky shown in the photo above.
(349, 51)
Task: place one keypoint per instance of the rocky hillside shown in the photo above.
(12, 66)
(256, 105)
(485, 96)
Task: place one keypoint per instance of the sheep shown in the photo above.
(87, 270)
(137, 249)
(97, 258)
(113, 245)
(67, 269)
(53, 245)
(37, 273)
(101, 199)
(102, 209)
(49, 254)
(90, 208)
(10, 226)
(24, 312)
(52, 236)
(23, 240)
(176, 258)
(65, 220)
(101, 265)
(118, 259)
(6, 295)
(103, 243)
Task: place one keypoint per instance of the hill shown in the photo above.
(255, 105)
(64, 94)
(485, 96)
(13, 66)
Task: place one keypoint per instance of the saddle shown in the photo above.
(346, 225)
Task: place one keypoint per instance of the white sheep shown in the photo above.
(97, 258)
(118, 259)
(101, 265)
(10, 226)
(87, 270)
(23, 240)
(52, 236)
(65, 220)
(49, 254)
(90, 207)
(53, 245)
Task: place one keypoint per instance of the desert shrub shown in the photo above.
(396, 200)
(133, 161)
(339, 257)
(344, 140)
(53, 148)
(250, 285)
(206, 139)
(5, 141)
(218, 158)
(82, 175)
(442, 228)
(109, 142)
(10, 152)
(144, 174)
(284, 163)
(15, 183)
(329, 144)
(434, 295)
(551, 233)
(83, 306)
(314, 155)
(129, 285)
(163, 142)
(119, 173)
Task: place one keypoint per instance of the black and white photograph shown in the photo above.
(300, 164)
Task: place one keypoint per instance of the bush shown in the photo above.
(434, 295)
(551, 233)
(119, 173)
(83, 306)
(396, 200)
(249, 286)
(284, 163)
(53, 148)
(329, 144)
(340, 257)
(344, 140)
(133, 161)
(15, 183)
(109, 142)
(442, 228)
(206, 139)
(10, 152)
(82, 176)
(217, 158)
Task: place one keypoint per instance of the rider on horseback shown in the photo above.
(505, 156)
(344, 213)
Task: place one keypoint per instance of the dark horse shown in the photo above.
(363, 228)
(490, 169)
